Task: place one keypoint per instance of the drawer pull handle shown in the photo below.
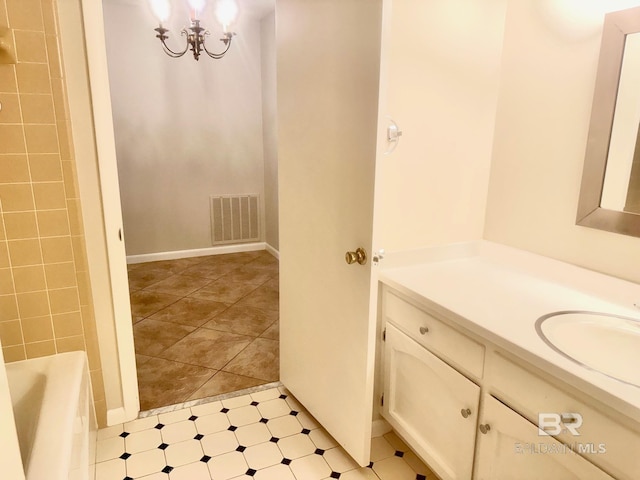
(424, 330)
(484, 429)
(465, 412)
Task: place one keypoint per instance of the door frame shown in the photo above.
(82, 37)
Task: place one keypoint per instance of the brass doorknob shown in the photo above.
(360, 256)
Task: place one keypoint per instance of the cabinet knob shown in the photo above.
(424, 330)
(484, 429)
(465, 412)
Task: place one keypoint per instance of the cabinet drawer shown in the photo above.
(453, 346)
(531, 395)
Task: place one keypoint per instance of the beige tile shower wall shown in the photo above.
(45, 302)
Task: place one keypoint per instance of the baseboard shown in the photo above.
(116, 416)
(272, 251)
(197, 252)
(380, 427)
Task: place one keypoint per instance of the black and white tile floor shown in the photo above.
(263, 435)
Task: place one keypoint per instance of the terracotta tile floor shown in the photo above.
(204, 326)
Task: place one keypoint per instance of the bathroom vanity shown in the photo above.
(478, 393)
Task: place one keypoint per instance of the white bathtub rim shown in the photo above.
(49, 453)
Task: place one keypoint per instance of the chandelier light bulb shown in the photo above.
(226, 12)
(161, 9)
(197, 6)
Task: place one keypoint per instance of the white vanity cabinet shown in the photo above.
(469, 412)
(431, 404)
(509, 448)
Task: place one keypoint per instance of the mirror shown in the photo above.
(610, 191)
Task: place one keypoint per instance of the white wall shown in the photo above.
(270, 128)
(548, 74)
(440, 74)
(184, 130)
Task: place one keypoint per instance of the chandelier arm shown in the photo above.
(218, 56)
(163, 37)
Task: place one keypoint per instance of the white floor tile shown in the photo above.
(239, 401)
(110, 432)
(142, 440)
(141, 424)
(322, 439)
(263, 455)
(178, 432)
(360, 474)
(244, 415)
(296, 446)
(294, 404)
(339, 461)
(109, 448)
(284, 426)
(396, 442)
(219, 443)
(173, 417)
(111, 470)
(381, 449)
(253, 434)
(277, 472)
(191, 471)
(206, 408)
(182, 453)
(145, 463)
(264, 395)
(215, 422)
(227, 466)
(274, 408)
(155, 476)
(416, 464)
(307, 421)
(311, 467)
(393, 468)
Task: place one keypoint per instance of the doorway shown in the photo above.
(186, 131)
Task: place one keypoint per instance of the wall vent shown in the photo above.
(234, 219)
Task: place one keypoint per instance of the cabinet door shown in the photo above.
(431, 405)
(512, 450)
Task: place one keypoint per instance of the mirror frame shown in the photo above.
(616, 27)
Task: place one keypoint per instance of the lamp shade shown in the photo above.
(161, 9)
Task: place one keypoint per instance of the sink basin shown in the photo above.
(609, 344)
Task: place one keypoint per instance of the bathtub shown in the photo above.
(54, 416)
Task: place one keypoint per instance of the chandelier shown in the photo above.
(226, 11)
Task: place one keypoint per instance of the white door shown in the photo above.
(509, 448)
(328, 68)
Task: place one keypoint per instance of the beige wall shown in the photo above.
(440, 74)
(45, 302)
(184, 130)
(548, 75)
(270, 128)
